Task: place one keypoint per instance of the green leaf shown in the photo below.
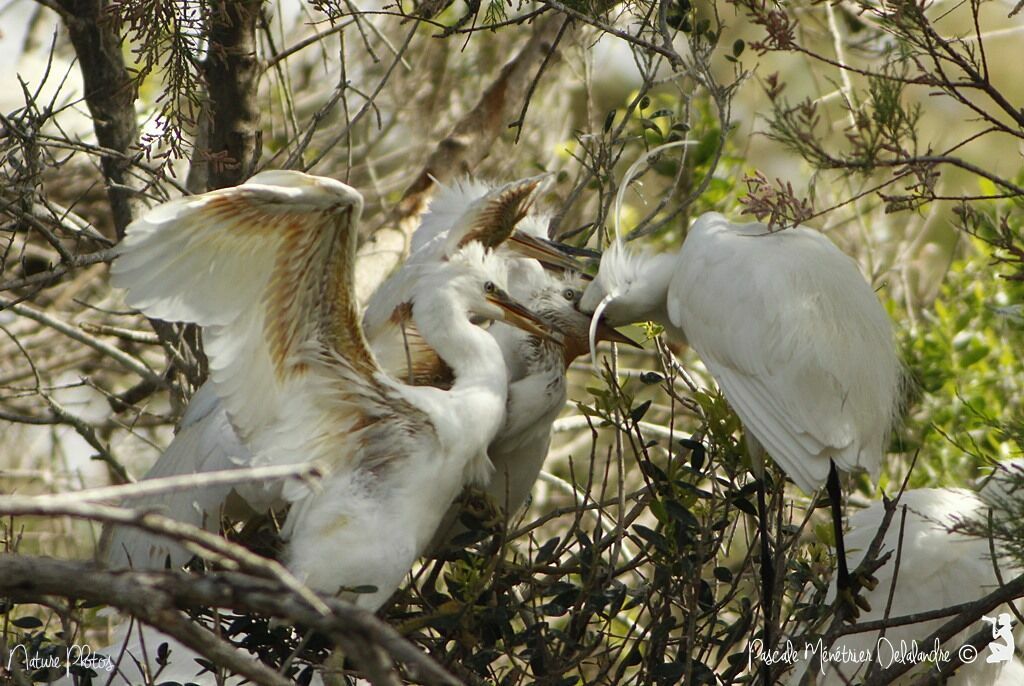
(639, 411)
(27, 622)
(745, 506)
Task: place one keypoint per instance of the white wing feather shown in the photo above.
(796, 339)
(205, 442)
(252, 265)
(447, 209)
(266, 269)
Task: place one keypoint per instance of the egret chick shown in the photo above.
(791, 331)
(266, 269)
(537, 391)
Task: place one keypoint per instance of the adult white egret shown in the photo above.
(938, 567)
(266, 269)
(791, 331)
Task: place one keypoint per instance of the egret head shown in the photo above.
(629, 287)
(477, 279)
(557, 302)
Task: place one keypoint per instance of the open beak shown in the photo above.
(607, 333)
(545, 252)
(519, 316)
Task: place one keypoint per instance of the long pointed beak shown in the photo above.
(607, 333)
(545, 252)
(521, 317)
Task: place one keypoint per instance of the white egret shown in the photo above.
(206, 440)
(467, 211)
(791, 331)
(496, 216)
(938, 567)
(265, 268)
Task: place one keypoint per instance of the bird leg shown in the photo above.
(848, 586)
(767, 573)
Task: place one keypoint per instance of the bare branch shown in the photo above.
(154, 597)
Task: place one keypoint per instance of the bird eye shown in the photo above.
(489, 287)
(570, 294)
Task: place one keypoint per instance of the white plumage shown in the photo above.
(266, 269)
(537, 391)
(784, 321)
(938, 568)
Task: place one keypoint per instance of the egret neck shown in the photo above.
(478, 395)
(639, 284)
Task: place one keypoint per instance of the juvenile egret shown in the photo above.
(496, 216)
(791, 331)
(266, 269)
(938, 567)
(465, 212)
(537, 387)
(206, 440)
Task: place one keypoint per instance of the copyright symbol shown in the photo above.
(968, 654)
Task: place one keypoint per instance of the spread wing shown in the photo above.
(467, 212)
(796, 339)
(266, 269)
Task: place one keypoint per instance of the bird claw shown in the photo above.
(847, 607)
(849, 601)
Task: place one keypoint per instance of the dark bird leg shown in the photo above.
(835, 497)
(847, 586)
(767, 576)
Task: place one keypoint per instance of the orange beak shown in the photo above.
(545, 252)
(607, 333)
(522, 317)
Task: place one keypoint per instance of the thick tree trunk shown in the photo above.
(232, 72)
(110, 96)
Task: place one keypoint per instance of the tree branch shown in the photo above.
(232, 78)
(110, 95)
(153, 597)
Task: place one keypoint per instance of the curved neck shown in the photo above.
(471, 353)
(658, 276)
